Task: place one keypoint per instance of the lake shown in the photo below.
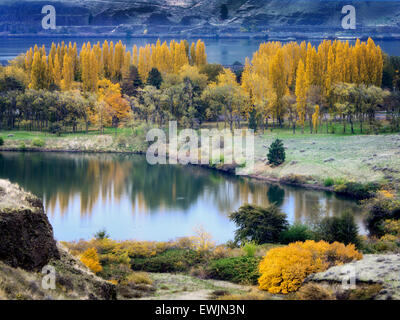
(84, 193)
(224, 51)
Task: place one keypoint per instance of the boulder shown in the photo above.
(26, 236)
(383, 269)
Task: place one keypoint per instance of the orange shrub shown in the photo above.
(284, 269)
(91, 260)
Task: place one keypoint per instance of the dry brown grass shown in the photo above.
(139, 278)
(312, 291)
(254, 294)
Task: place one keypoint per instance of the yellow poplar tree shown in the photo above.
(201, 57)
(301, 93)
(67, 73)
(315, 119)
(57, 71)
(38, 72)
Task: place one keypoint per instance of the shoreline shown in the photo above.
(221, 169)
(253, 36)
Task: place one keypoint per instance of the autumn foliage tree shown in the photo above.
(281, 82)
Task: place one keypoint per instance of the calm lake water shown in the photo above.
(131, 199)
(224, 51)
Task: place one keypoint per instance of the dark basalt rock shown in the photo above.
(26, 236)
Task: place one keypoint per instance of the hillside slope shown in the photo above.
(198, 17)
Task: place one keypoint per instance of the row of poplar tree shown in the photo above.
(164, 81)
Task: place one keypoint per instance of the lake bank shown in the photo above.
(317, 158)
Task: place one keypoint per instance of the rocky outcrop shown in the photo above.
(27, 244)
(197, 17)
(73, 281)
(383, 269)
(26, 236)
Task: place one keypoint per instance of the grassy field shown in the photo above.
(352, 157)
(338, 156)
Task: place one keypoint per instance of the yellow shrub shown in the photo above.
(203, 240)
(386, 194)
(389, 238)
(90, 259)
(392, 227)
(144, 248)
(284, 269)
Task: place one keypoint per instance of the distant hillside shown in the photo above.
(201, 17)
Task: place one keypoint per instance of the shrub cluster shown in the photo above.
(340, 228)
(378, 210)
(357, 190)
(239, 270)
(283, 270)
(174, 260)
(37, 142)
(296, 232)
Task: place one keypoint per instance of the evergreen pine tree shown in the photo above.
(253, 119)
(132, 82)
(154, 78)
(276, 155)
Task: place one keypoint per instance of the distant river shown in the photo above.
(84, 193)
(224, 51)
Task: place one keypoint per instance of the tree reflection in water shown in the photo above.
(83, 192)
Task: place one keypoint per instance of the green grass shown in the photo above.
(360, 158)
(287, 132)
(23, 134)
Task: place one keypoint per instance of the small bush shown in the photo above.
(90, 259)
(329, 182)
(198, 272)
(37, 142)
(258, 224)
(1, 141)
(202, 241)
(293, 179)
(101, 234)
(276, 154)
(174, 260)
(138, 278)
(296, 232)
(221, 252)
(283, 270)
(239, 270)
(386, 244)
(342, 229)
(250, 249)
(378, 210)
